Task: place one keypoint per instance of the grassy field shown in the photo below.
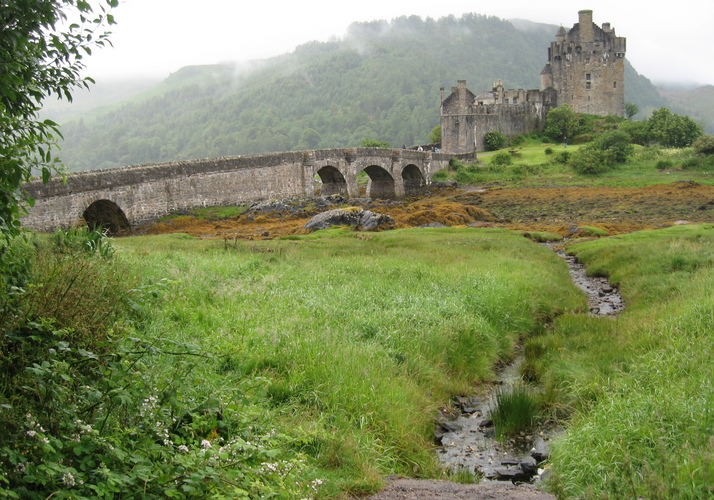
(313, 366)
(362, 338)
(359, 339)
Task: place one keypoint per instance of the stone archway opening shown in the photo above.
(108, 215)
(414, 181)
(381, 183)
(333, 182)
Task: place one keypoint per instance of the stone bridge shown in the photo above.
(125, 197)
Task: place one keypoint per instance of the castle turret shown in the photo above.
(586, 67)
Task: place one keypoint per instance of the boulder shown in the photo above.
(434, 224)
(363, 220)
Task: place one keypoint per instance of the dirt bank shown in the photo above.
(552, 209)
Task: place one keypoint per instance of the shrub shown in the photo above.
(582, 138)
(455, 164)
(698, 162)
(527, 169)
(502, 159)
(464, 177)
(616, 142)
(589, 161)
(90, 412)
(663, 165)
(638, 132)
(704, 145)
(441, 175)
(494, 140)
(563, 157)
(548, 151)
(517, 140)
(649, 153)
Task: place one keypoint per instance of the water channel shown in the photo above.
(468, 442)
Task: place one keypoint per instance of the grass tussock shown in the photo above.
(515, 410)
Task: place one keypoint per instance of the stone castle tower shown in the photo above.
(585, 69)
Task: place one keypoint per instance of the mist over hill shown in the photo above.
(380, 81)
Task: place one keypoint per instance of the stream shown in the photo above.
(468, 442)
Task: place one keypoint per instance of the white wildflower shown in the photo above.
(68, 479)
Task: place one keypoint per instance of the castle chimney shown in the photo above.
(586, 26)
(462, 90)
(606, 27)
(442, 93)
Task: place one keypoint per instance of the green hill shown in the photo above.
(381, 81)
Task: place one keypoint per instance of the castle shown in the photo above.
(585, 69)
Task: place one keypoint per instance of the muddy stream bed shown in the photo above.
(468, 442)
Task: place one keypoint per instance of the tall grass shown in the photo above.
(640, 386)
(360, 339)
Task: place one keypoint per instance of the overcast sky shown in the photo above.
(666, 41)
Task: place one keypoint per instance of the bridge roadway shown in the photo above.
(124, 197)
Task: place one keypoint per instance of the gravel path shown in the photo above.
(424, 489)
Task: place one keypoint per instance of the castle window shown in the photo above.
(614, 85)
(515, 100)
(587, 77)
(505, 101)
(587, 85)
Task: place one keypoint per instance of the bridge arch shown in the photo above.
(381, 183)
(333, 182)
(107, 214)
(413, 180)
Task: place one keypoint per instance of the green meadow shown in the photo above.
(535, 163)
(313, 366)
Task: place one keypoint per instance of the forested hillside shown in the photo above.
(381, 81)
(697, 103)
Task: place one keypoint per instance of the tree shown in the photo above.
(39, 58)
(310, 138)
(561, 123)
(672, 130)
(373, 143)
(435, 135)
(631, 110)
